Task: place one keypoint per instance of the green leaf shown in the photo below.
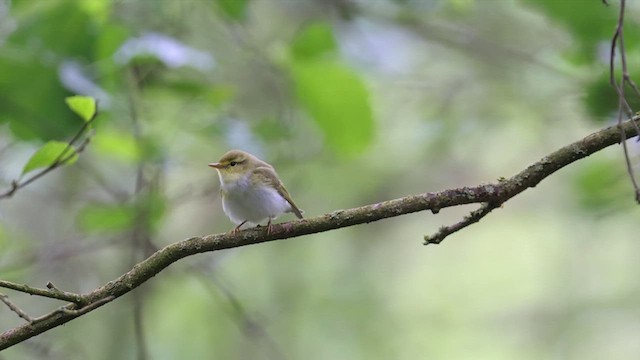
(315, 40)
(49, 153)
(106, 217)
(337, 99)
(84, 106)
(235, 9)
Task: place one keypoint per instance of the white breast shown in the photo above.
(243, 202)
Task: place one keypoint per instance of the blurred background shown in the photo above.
(353, 102)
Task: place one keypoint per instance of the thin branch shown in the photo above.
(13, 307)
(248, 324)
(83, 310)
(116, 194)
(496, 193)
(472, 218)
(52, 292)
(64, 295)
(623, 104)
(58, 162)
(62, 253)
(139, 233)
(70, 311)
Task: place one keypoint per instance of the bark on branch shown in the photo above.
(490, 195)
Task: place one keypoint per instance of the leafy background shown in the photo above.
(354, 102)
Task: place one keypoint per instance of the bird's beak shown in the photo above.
(216, 165)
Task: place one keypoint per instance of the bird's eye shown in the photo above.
(233, 163)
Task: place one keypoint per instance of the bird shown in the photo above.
(251, 190)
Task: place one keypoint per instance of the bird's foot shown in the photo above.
(237, 228)
(269, 228)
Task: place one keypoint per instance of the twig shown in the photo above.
(248, 324)
(13, 307)
(139, 233)
(75, 298)
(69, 311)
(59, 161)
(85, 309)
(52, 292)
(472, 218)
(623, 104)
(496, 193)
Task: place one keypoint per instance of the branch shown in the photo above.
(51, 291)
(623, 104)
(472, 218)
(13, 307)
(494, 194)
(70, 309)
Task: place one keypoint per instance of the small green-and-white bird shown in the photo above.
(251, 190)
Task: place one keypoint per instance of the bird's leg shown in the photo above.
(269, 226)
(237, 228)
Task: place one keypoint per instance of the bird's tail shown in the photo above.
(298, 212)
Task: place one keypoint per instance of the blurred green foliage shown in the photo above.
(314, 41)
(601, 99)
(61, 152)
(49, 33)
(235, 9)
(601, 185)
(333, 94)
(103, 217)
(146, 213)
(117, 144)
(338, 101)
(590, 23)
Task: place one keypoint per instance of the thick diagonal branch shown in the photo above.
(496, 193)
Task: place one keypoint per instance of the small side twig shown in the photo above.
(75, 298)
(60, 160)
(472, 218)
(13, 307)
(51, 292)
(617, 41)
(85, 309)
(70, 311)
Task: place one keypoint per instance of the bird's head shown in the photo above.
(235, 164)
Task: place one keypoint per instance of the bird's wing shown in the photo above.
(272, 179)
